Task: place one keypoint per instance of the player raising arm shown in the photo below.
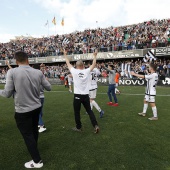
(111, 88)
(150, 92)
(81, 91)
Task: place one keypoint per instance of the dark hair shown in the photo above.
(153, 66)
(112, 66)
(21, 56)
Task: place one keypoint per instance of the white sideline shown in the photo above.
(128, 94)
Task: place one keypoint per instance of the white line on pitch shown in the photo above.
(128, 94)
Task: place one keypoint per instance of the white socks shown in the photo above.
(145, 107)
(154, 109)
(93, 103)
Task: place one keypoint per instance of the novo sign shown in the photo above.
(166, 81)
(131, 82)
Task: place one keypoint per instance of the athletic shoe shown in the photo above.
(115, 104)
(96, 129)
(110, 103)
(32, 164)
(118, 92)
(42, 129)
(101, 113)
(142, 114)
(153, 118)
(77, 130)
(70, 91)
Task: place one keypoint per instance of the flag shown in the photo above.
(62, 22)
(65, 41)
(54, 21)
(149, 57)
(46, 23)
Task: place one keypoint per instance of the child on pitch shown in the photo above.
(150, 93)
(41, 125)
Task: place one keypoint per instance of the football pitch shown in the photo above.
(125, 141)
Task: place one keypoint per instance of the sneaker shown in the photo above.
(142, 114)
(118, 92)
(153, 118)
(42, 129)
(32, 164)
(76, 130)
(101, 113)
(110, 103)
(96, 129)
(115, 104)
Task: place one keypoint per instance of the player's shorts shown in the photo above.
(150, 99)
(117, 84)
(70, 83)
(92, 94)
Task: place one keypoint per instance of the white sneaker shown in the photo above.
(42, 129)
(153, 118)
(32, 164)
(142, 114)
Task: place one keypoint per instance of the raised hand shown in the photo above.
(95, 52)
(65, 52)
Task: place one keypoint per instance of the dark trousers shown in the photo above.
(111, 90)
(83, 99)
(27, 124)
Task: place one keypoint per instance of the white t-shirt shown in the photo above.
(152, 80)
(81, 79)
(93, 79)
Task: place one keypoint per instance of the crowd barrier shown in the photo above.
(125, 54)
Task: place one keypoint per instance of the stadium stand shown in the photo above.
(149, 34)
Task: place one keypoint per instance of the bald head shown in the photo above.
(80, 64)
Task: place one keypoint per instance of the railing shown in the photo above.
(112, 48)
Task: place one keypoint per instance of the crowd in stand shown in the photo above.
(153, 33)
(61, 70)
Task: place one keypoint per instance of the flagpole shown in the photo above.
(48, 29)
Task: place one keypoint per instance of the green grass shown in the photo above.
(126, 141)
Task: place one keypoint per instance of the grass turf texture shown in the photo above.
(126, 141)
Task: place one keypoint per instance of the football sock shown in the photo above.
(96, 106)
(145, 107)
(154, 109)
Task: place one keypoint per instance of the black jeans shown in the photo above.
(84, 99)
(27, 124)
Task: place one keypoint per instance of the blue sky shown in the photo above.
(28, 17)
